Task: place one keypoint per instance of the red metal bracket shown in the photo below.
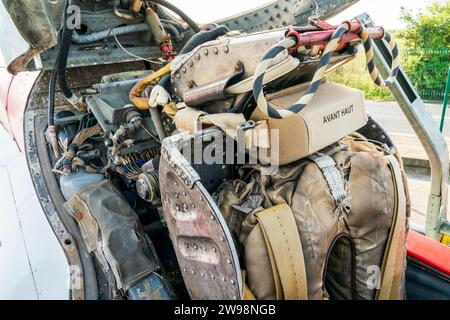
(292, 33)
(321, 24)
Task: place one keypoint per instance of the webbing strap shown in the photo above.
(188, 119)
(393, 262)
(332, 176)
(285, 252)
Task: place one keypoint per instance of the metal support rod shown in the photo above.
(156, 117)
(430, 137)
(444, 104)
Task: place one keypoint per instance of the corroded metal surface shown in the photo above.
(217, 59)
(279, 13)
(201, 239)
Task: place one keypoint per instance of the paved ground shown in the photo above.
(419, 186)
(390, 116)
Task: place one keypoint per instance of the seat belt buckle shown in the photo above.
(250, 124)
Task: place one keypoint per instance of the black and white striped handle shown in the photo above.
(332, 45)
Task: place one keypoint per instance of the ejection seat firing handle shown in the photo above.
(312, 38)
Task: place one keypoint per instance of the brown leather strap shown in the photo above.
(285, 251)
(394, 259)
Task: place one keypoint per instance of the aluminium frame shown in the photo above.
(413, 107)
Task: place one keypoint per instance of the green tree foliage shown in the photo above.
(426, 42)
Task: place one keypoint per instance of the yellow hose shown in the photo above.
(136, 93)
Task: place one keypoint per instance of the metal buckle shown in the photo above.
(250, 124)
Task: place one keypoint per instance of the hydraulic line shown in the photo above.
(179, 12)
(101, 35)
(62, 64)
(156, 117)
(51, 97)
(136, 93)
(202, 37)
(179, 27)
(119, 31)
(52, 130)
(51, 114)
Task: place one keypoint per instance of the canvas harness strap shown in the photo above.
(284, 245)
(285, 252)
(393, 261)
(256, 134)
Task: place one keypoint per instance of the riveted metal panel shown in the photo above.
(199, 234)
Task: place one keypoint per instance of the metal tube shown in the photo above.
(322, 37)
(179, 12)
(119, 31)
(430, 137)
(101, 35)
(156, 118)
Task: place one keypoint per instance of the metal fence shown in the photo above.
(428, 72)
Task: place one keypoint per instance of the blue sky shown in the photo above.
(384, 12)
